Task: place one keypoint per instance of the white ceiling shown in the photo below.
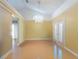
(35, 7)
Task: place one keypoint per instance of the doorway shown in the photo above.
(15, 31)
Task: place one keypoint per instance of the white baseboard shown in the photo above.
(10, 51)
(67, 49)
(38, 38)
(6, 54)
(20, 43)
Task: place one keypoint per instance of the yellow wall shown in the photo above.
(70, 17)
(37, 30)
(21, 29)
(68, 55)
(5, 29)
(0, 35)
(5, 22)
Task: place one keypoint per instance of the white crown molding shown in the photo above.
(63, 7)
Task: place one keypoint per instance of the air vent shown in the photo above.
(27, 1)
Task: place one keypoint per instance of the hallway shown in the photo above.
(38, 29)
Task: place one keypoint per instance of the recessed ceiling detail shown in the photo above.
(46, 6)
(29, 8)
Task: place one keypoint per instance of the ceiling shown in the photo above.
(35, 7)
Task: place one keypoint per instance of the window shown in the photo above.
(59, 32)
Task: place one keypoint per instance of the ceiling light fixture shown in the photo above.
(13, 15)
(38, 18)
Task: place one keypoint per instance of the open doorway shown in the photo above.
(15, 31)
(59, 37)
(59, 32)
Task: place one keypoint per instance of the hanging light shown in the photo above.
(38, 18)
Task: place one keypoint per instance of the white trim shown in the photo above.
(63, 7)
(78, 30)
(69, 50)
(20, 43)
(10, 51)
(5, 55)
(38, 38)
